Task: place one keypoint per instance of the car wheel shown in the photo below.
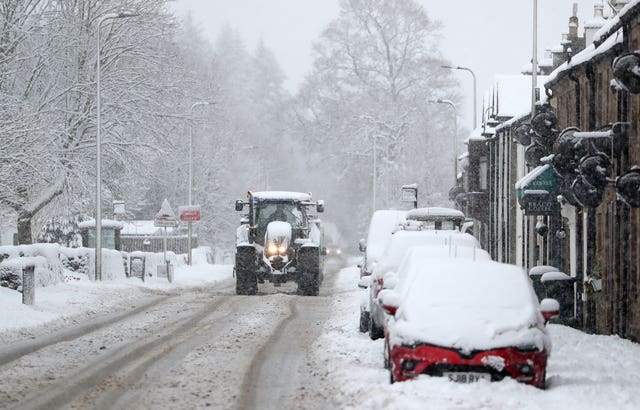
(543, 383)
(387, 362)
(375, 331)
(364, 321)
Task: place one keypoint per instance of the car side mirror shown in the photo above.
(320, 206)
(389, 300)
(364, 282)
(362, 245)
(550, 308)
(239, 205)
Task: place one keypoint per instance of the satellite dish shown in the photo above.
(455, 191)
(566, 181)
(626, 71)
(533, 155)
(544, 128)
(586, 194)
(628, 187)
(570, 150)
(522, 134)
(596, 169)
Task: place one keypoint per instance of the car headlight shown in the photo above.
(282, 249)
(338, 251)
(272, 249)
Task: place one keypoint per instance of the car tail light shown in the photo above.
(525, 369)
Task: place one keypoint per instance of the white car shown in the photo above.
(436, 243)
(382, 225)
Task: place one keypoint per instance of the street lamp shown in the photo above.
(455, 136)
(475, 91)
(196, 104)
(98, 241)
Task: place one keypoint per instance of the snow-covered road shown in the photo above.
(201, 346)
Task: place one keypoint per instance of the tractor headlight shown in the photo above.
(272, 249)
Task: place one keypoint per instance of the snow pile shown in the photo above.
(45, 258)
(69, 301)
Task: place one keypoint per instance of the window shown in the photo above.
(483, 170)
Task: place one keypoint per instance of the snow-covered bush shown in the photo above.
(75, 259)
(45, 257)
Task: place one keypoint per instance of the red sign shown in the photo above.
(189, 213)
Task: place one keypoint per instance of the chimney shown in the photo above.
(573, 24)
(617, 5)
(592, 26)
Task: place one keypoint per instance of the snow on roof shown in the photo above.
(551, 276)
(433, 213)
(139, 228)
(382, 225)
(431, 243)
(106, 223)
(513, 94)
(476, 134)
(282, 195)
(614, 21)
(585, 55)
(468, 305)
(459, 246)
(542, 269)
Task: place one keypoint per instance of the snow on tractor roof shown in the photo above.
(433, 213)
(281, 196)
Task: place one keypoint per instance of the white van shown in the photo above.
(382, 225)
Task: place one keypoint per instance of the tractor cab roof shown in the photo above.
(281, 197)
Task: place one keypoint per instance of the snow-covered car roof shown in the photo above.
(432, 255)
(281, 196)
(382, 225)
(469, 305)
(440, 241)
(434, 213)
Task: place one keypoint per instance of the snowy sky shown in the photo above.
(490, 36)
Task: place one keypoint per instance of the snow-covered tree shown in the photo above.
(376, 67)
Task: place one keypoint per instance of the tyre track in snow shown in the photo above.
(278, 371)
(16, 350)
(92, 373)
(51, 358)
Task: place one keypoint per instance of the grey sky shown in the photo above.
(489, 36)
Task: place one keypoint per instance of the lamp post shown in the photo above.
(190, 184)
(98, 241)
(374, 173)
(455, 136)
(475, 91)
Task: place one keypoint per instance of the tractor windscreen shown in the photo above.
(287, 212)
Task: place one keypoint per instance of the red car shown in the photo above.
(466, 321)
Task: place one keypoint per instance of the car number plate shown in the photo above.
(467, 377)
